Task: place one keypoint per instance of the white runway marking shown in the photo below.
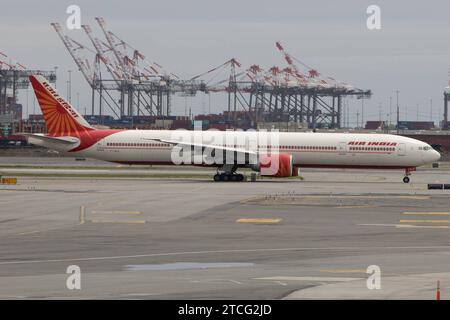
(185, 266)
(403, 226)
(138, 294)
(422, 227)
(378, 224)
(326, 279)
(219, 251)
(210, 281)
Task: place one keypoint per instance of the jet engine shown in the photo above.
(276, 165)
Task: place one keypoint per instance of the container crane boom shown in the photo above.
(68, 43)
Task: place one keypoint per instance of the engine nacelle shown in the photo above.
(276, 165)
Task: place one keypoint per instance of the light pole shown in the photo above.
(362, 112)
(28, 110)
(69, 94)
(379, 111)
(431, 110)
(348, 116)
(56, 78)
(398, 113)
(357, 120)
(390, 111)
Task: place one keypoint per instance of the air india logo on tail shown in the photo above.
(60, 118)
(64, 104)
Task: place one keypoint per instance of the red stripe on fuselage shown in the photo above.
(89, 138)
(323, 166)
(341, 166)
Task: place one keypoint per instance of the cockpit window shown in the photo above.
(427, 148)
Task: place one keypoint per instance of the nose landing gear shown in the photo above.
(408, 173)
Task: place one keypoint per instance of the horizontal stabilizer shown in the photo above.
(46, 139)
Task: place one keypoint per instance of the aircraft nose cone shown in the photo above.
(435, 155)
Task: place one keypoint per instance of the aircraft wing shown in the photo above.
(206, 146)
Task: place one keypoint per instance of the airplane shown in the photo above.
(69, 132)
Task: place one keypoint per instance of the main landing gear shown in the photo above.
(225, 176)
(228, 174)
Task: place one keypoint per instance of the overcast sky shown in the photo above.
(410, 53)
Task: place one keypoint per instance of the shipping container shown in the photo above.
(217, 126)
(373, 125)
(36, 117)
(416, 125)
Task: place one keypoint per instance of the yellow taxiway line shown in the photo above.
(424, 221)
(118, 221)
(426, 213)
(258, 220)
(355, 207)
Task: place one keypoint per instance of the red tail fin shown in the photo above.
(60, 117)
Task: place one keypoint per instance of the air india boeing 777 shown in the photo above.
(277, 155)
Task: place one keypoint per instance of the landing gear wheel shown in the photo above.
(224, 176)
(406, 179)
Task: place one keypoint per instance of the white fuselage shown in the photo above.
(307, 149)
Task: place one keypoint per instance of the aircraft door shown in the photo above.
(342, 148)
(101, 145)
(401, 149)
